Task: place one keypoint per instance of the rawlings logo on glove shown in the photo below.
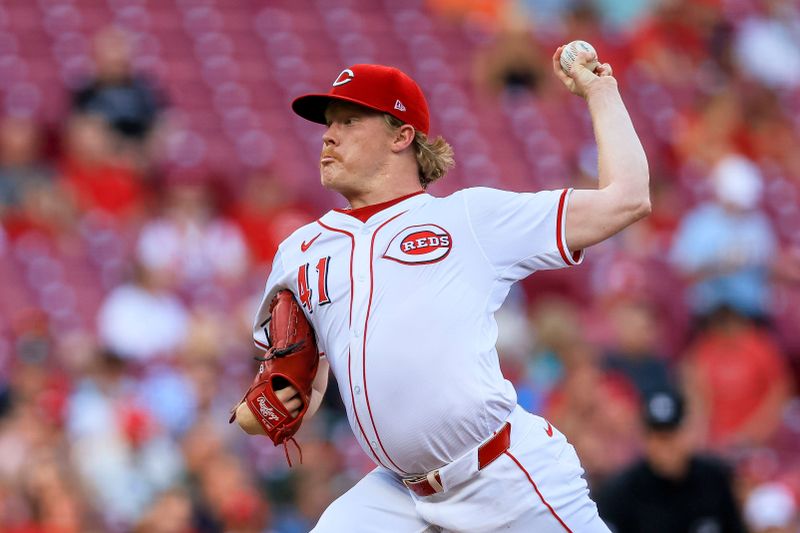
(267, 413)
(291, 361)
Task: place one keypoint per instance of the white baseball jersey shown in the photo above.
(403, 308)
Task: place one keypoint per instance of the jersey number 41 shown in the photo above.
(304, 290)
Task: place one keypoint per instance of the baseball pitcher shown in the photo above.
(400, 290)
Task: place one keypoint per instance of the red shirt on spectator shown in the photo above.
(111, 188)
(735, 372)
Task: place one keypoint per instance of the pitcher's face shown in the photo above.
(355, 147)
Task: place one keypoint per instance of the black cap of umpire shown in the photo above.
(663, 410)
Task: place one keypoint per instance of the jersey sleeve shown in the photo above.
(521, 232)
(278, 279)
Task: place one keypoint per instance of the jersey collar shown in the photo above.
(363, 215)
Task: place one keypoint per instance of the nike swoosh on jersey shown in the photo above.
(549, 430)
(306, 245)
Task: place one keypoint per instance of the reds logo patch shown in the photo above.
(421, 244)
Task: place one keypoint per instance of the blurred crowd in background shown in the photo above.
(150, 165)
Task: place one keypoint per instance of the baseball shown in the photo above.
(570, 52)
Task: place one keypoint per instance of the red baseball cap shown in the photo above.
(377, 87)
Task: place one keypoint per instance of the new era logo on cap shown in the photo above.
(378, 87)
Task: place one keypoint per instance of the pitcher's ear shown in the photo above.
(403, 137)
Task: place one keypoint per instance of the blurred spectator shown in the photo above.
(671, 489)
(771, 34)
(29, 197)
(267, 213)
(313, 496)
(512, 61)
(595, 410)
(142, 319)
(553, 322)
(228, 497)
(170, 513)
(97, 178)
(725, 247)
(771, 132)
(47, 496)
(190, 240)
(122, 456)
(125, 100)
(170, 397)
(22, 165)
(636, 354)
(661, 224)
(771, 508)
(56, 505)
(680, 36)
(710, 129)
(737, 382)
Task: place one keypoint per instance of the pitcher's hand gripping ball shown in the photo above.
(570, 53)
(292, 359)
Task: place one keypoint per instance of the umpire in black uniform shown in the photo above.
(671, 489)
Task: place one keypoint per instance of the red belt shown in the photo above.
(431, 483)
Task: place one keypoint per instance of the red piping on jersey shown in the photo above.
(364, 349)
(364, 213)
(552, 511)
(352, 251)
(349, 323)
(559, 227)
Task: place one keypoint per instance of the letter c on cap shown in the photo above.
(348, 79)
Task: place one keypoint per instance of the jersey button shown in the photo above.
(374, 444)
(357, 389)
(362, 278)
(356, 333)
(364, 231)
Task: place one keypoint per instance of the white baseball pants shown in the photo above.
(536, 485)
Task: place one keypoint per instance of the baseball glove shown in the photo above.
(292, 359)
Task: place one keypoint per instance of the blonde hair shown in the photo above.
(434, 158)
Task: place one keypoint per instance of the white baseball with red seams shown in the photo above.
(570, 53)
